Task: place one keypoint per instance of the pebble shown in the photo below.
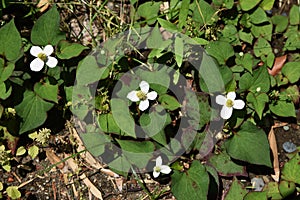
(286, 128)
(258, 184)
(289, 147)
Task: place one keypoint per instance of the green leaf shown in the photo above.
(290, 171)
(13, 192)
(260, 79)
(286, 188)
(179, 50)
(67, 50)
(225, 166)
(246, 37)
(183, 13)
(267, 4)
(204, 13)
(149, 11)
(167, 25)
(155, 40)
(108, 124)
(248, 5)
(264, 30)
(249, 144)
(33, 151)
(4, 93)
(259, 16)
(46, 91)
(46, 29)
(11, 42)
(33, 110)
(272, 190)
(192, 183)
(6, 71)
(283, 108)
(292, 71)
(21, 151)
(236, 191)
(222, 51)
(169, 102)
(95, 142)
(294, 15)
(138, 153)
(258, 102)
(281, 23)
(262, 47)
(256, 196)
(88, 71)
(122, 116)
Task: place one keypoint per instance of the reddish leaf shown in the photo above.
(278, 64)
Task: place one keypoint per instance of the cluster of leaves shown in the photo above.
(238, 35)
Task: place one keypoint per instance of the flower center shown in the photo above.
(141, 95)
(42, 56)
(157, 169)
(229, 103)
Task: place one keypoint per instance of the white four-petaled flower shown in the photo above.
(159, 167)
(42, 57)
(142, 95)
(228, 102)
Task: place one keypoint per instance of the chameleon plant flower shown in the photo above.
(228, 102)
(42, 57)
(159, 167)
(142, 95)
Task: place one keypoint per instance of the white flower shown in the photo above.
(142, 95)
(160, 168)
(228, 104)
(42, 57)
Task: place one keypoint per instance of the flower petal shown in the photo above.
(238, 104)
(36, 65)
(165, 169)
(48, 50)
(231, 95)
(155, 174)
(35, 50)
(152, 95)
(144, 87)
(158, 161)
(51, 62)
(221, 100)
(226, 112)
(132, 96)
(144, 105)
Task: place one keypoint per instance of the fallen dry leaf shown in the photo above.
(43, 5)
(273, 146)
(54, 159)
(278, 64)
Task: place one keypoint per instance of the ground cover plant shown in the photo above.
(185, 93)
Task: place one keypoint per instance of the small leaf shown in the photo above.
(149, 11)
(292, 71)
(204, 13)
(33, 151)
(13, 192)
(95, 142)
(281, 23)
(4, 93)
(183, 13)
(272, 190)
(192, 183)
(5, 71)
(169, 102)
(11, 42)
(33, 111)
(286, 188)
(46, 29)
(262, 47)
(222, 51)
(248, 5)
(21, 151)
(258, 16)
(258, 101)
(167, 25)
(290, 171)
(179, 50)
(294, 15)
(68, 50)
(256, 196)
(236, 191)
(267, 4)
(263, 30)
(283, 108)
(47, 91)
(249, 144)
